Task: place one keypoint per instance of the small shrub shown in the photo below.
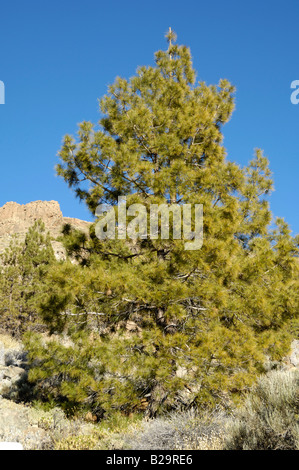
(269, 420)
(82, 442)
(181, 431)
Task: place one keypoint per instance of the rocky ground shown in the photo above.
(17, 425)
(17, 422)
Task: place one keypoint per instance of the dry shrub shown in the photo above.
(269, 420)
(181, 431)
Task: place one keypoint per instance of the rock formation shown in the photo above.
(15, 220)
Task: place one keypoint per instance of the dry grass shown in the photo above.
(10, 343)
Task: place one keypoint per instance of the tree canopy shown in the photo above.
(151, 325)
(23, 268)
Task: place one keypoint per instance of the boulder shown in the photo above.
(294, 355)
(13, 368)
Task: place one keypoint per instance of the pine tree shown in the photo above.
(23, 269)
(153, 324)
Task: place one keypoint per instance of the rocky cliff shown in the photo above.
(15, 220)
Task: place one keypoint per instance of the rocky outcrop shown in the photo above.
(16, 219)
(13, 368)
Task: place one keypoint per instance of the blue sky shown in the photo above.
(57, 58)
